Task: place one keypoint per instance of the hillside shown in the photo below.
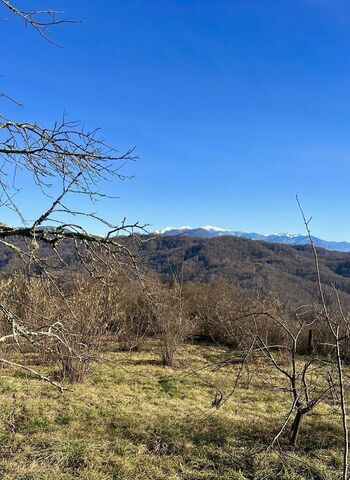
(286, 271)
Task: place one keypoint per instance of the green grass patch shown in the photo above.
(135, 420)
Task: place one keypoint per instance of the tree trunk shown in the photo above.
(310, 342)
(296, 427)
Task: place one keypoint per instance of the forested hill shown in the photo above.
(286, 271)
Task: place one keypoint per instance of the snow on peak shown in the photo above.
(169, 229)
(289, 235)
(210, 228)
(220, 230)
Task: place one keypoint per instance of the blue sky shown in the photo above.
(234, 106)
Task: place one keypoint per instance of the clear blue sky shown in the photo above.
(234, 106)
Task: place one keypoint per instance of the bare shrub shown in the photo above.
(137, 319)
(76, 315)
(84, 325)
(171, 322)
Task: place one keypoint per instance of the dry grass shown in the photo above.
(135, 420)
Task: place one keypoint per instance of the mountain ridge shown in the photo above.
(290, 239)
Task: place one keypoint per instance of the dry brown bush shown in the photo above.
(171, 323)
(77, 315)
(137, 318)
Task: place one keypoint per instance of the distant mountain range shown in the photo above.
(282, 238)
(285, 271)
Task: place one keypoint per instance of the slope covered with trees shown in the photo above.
(288, 272)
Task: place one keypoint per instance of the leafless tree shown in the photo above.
(339, 329)
(170, 322)
(263, 333)
(320, 333)
(79, 161)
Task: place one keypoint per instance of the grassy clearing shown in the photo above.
(134, 419)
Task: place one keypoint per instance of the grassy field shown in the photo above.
(133, 419)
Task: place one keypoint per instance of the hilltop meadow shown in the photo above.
(134, 419)
(131, 356)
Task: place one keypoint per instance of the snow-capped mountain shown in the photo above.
(284, 238)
